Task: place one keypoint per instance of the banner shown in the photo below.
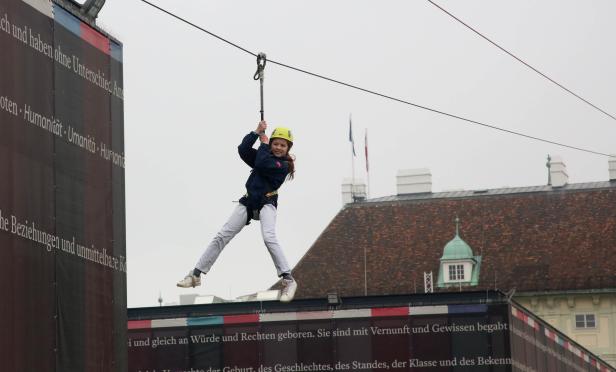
(438, 338)
(62, 214)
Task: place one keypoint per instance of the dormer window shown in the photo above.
(456, 273)
(459, 267)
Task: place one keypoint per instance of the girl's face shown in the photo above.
(279, 147)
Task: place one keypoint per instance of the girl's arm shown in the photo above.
(247, 153)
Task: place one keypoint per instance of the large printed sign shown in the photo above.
(62, 224)
(430, 338)
(481, 337)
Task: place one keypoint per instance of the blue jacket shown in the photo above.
(268, 172)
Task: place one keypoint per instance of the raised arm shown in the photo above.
(247, 153)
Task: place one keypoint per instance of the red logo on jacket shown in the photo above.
(278, 164)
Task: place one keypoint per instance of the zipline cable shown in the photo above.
(377, 93)
(523, 62)
(198, 27)
(438, 111)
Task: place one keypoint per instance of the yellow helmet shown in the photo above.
(284, 133)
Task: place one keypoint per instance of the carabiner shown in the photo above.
(261, 61)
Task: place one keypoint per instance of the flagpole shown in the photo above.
(352, 157)
(367, 166)
(367, 197)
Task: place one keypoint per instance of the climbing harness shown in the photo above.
(268, 195)
(260, 75)
(253, 214)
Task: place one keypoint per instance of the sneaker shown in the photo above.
(289, 286)
(190, 281)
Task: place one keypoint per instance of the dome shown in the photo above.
(457, 249)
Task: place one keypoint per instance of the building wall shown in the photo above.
(559, 310)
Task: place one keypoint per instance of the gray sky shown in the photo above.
(189, 100)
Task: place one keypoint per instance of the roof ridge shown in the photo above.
(494, 191)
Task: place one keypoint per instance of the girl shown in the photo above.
(271, 164)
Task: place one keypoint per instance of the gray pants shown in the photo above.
(234, 225)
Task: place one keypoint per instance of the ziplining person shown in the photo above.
(271, 165)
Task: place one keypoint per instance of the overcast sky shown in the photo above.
(189, 100)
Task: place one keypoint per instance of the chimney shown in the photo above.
(353, 193)
(558, 172)
(414, 181)
(612, 167)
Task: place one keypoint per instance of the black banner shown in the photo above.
(62, 219)
(456, 338)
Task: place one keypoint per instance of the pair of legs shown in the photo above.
(234, 225)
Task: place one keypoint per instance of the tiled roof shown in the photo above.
(530, 238)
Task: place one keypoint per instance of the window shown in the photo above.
(456, 272)
(585, 321)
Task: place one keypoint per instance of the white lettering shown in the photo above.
(6, 104)
(5, 25)
(51, 125)
(85, 142)
(37, 43)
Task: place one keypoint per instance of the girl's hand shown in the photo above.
(264, 139)
(261, 127)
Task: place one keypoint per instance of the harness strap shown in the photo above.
(269, 194)
(254, 213)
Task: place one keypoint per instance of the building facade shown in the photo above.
(587, 317)
(551, 247)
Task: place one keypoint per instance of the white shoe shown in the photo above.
(289, 286)
(189, 281)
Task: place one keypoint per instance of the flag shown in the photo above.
(366, 149)
(351, 136)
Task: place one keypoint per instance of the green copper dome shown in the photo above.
(457, 248)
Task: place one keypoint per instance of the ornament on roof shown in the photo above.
(459, 266)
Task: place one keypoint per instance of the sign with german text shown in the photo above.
(62, 224)
(430, 338)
